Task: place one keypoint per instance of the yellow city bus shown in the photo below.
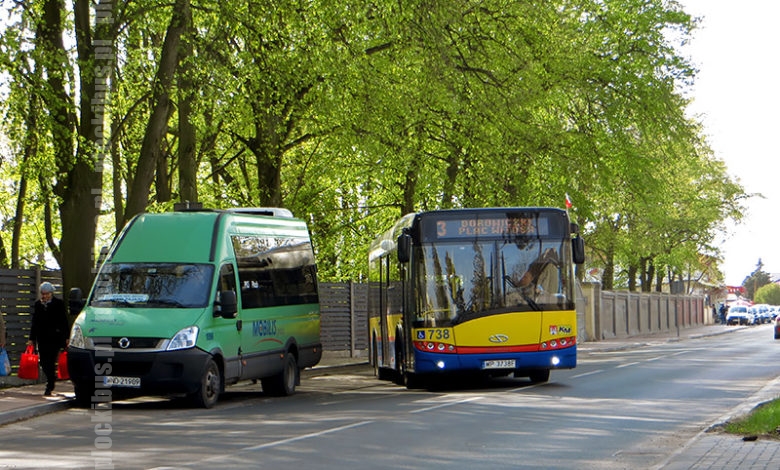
(486, 290)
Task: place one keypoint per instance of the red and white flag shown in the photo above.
(568, 201)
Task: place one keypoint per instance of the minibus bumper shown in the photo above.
(142, 373)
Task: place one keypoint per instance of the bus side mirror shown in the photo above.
(227, 307)
(578, 250)
(404, 247)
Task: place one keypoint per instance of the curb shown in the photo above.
(22, 414)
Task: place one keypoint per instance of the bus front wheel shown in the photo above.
(539, 376)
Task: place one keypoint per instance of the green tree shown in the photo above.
(352, 114)
(768, 294)
(756, 280)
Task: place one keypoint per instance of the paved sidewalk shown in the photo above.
(715, 450)
(23, 399)
(709, 449)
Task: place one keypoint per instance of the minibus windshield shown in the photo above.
(153, 285)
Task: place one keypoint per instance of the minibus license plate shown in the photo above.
(113, 381)
(499, 364)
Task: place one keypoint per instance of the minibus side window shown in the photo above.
(227, 278)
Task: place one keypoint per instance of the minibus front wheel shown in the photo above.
(85, 391)
(210, 384)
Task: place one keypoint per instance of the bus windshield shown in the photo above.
(144, 285)
(459, 281)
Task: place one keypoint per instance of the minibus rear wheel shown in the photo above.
(283, 384)
(210, 385)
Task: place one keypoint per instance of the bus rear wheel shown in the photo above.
(400, 362)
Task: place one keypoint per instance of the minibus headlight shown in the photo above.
(77, 338)
(184, 339)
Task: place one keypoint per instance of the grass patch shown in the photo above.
(763, 420)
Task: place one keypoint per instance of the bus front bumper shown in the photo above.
(426, 362)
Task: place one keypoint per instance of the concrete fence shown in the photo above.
(605, 314)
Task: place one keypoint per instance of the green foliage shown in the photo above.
(757, 279)
(768, 294)
(764, 420)
(352, 114)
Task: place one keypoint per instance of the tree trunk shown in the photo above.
(63, 130)
(451, 175)
(650, 275)
(188, 183)
(30, 148)
(162, 180)
(632, 271)
(116, 181)
(608, 275)
(138, 195)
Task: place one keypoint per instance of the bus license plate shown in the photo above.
(113, 381)
(499, 364)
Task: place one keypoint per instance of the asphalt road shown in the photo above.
(617, 409)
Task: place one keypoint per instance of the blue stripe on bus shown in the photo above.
(428, 362)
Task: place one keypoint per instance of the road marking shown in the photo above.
(305, 436)
(598, 371)
(626, 365)
(443, 405)
(290, 439)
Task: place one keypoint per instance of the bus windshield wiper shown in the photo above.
(531, 303)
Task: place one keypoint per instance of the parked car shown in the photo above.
(739, 315)
(773, 311)
(777, 327)
(761, 313)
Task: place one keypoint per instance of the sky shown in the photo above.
(736, 96)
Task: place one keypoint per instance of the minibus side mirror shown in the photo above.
(75, 301)
(404, 247)
(227, 307)
(578, 250)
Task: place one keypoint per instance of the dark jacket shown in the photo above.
(50, 324)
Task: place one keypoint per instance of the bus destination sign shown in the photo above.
(490, 227)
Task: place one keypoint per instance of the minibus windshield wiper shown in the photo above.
(167, 302)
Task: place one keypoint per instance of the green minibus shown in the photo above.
(190, 301)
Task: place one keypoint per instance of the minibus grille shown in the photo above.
(125, 342)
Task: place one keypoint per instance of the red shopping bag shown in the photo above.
(28, 365)
(62, 366)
